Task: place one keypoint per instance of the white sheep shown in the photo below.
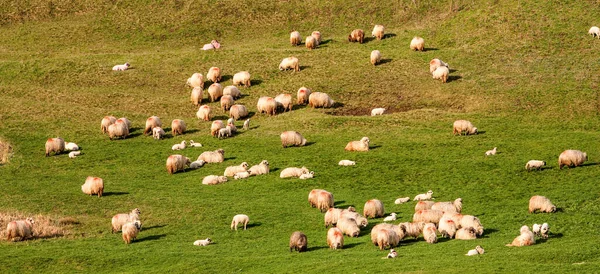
(378, 32)
(232, 91)
(377, 111)
(375, 57)
(22, 229)
(441, 73)
(262, 168)
(214, 180)
(392, 254)
(284, 101)
(197, 164)
(106, 122)
(242, 175)
(417, 43)
(122, 67)
(151, 123)
(246, 124)
(289, 63)
(179, 146)
(196, 96)
(56, 145)
(71, 146)
(241, 78)
(317, 35)
(215, 127)
(120, 219)
(293, 172)
(436, 63)
(544, 230)
(196, 80)
(74, 154)
(176, 163)
(571, 157)
(239, 219)
(308, 175)
(231, 125)
(224, 132)
(217, 156)
(422, 197)
(215, 91)
(295, 38)
(594, 32)
(232, 170)
(204, 242)
(320, 100)
(158, 133)
(477, 251)
(92, 186)
(311, 42)
(460, 126)
(390, 218)
(535, 164)
(491, 152)
(131, 230)
(346, 163)
(401, 200)
(302, 96)
(542, 204)
(214, 74)
(214, 44)
(194, 144)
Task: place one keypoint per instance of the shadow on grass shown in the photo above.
(452, 70)
(114, 193)
(135, 129)
(304, 67)
(152, 227)
(152, 238)
(374, 147)
(295, 107)
(590, 164)
(323, 42)
(251, 225)
(274, 169)
(429, 49)
(221, 117)
(134, 135)
(229, 158)
(191, 131)
(384, 61)
(453, 78)
(488, 231)
(368, 39)
(255, 82)
(346, 246)
(314, 248)
(224, 78)
(389, 35)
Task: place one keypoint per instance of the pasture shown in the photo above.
(524, 73)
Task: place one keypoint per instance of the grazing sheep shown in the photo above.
(447, 227)
(320, 100)
(302, 96)
(428, 216)
(232, 91)
(455, 206)
(196, 97)
(293, 172)
(226, 102)
(197, 164)
(180, 146)
(231, 125)
(260, 169)
(535, 164)
(348, 226)
(390, 218)
(311, 43)
(131, 230)
(542, 204)
(71, 146)
(194, 144)
(176, 163)
(215, 127)
(122, 67)
(313, 197)
(308, 175)
(204, 113)
(469, 221)
(118, 130)
(242, 175)
(377, 111)
(56, 145)
(21, 228)
(465, 126)
(241, 78)
(477, 251)
(423, 205)
(158, 133)
(295, 38)
(239, 219)
(373, 209)
(324, 201)
(422, 197)
(362, 145)
(126, 121)
(151, 123)
(375, 57)
(289, 63)
(107, 121)
(436, 63)
(417, 43)
(292, 138)
(571, 157)
(214, 180)
(217, 156)
(356, 35)
(93, 186)
(196, 80)
(378, 32)
(333, 214)
(335, 238)
(232, 170)
(413, 229)
(465, 233)
(346, 163)
(387, 238)
(430, 233)
(266, 105)
(74, 154)
(491, 152)
(204, 242)
(238, 111)
(246, 124)
(178, 127)
(316, 35)
(214, 74)
(352, 214)
(122, 218)
(401, 200)
(215, 91)
(284, 101)
(525, 238)
(594, 32)
(214, 44)
(441, 73)
(298, 242)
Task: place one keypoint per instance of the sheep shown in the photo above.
(525, 238)
(215, 91)
(455, 206)
(401, 200)
(215, 127)
(214, 74)
(292, 138)
(151, 123)
(217, 156)
(430, 233)
(284, 101)
(356, 35)
(469, 221)
(477, 251)
(491, 152)
(376, 234)
(362, 145)
(238, 111)
(373, 209)
(214, 44)
(390, 218)
(131, 230)
(224, 132)
(441, 73)
(232, 91)
(21, 228)
(295, 38)
(417, 43)
(242, 175)
(428, 216)
(266, 105)
(180, 146)
(534, 164)
(56, 145)
(335, 238)
(331, 216)
(126, 121)
(302, 96)
(196, 96)
(122, 67)
(204, 113)
(387, 238)
(375, 57)
(289, 63)
(465, 233)
(194, 144)
(377, 111)
(352, 214)
(92, 186)
(423, 205)
(214, 180)
(422, 197)
(378, 32)
(239, 219)
(348, 226)
(392, 254)
(107, 121)
(74, 154)
(313, 197)
(71, 146)
(241, 78)
(412, 229)
(544, 230)
(204, 242)
(118, 130)
(232, 170)
(178, 127)
(158, 133)
(447, 227)
(542, 204)
(594, 32)
(465, 126)
(317, 36)
(293, 172)
(260, 169)
(324, 201)
(122, 218)
(436, 63)
(226, 102)
(197, 164)
(308, 175)
(176, 163)
(320, 100)
(311, 42)
(246, 124)
(571, 158)
(196, 80)
(298, 242)
(346, 163)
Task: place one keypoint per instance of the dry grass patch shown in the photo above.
(5, 152)
(44, 227)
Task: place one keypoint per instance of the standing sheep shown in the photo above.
(311, 42)
(284, 101)
(378, 32)
(413, 229)
(122, 218)
(232, 170)
(313, 196)
(542, 204)
(56, 145)
(362, 145)
(387, 238)
(375, 57)
(214, 180)
(417, 43)
(324, 201)
(196, 96)
(233, 91)
(260, 169)
(126, 121)
(298, 242)
(430, 233)
(241, 78)
(535, 164)
(214, 74)
(320, 100)
(92, 186)
(348, 226)
(215, 91)
(215, 128)
(441, 73)
(302, 96)
(436, 63)
(373, 209)
(266, 105)
(107, 121)
(447, 227)
(204, 113)
(196, 81)
(239, 219)
(295, 38)
(335, 238)
(594, 32)
(238, 111)
(428, 216)
(465, 126)
(292, 138)
(118, 130)
(423, 205)
(246, 124)
(289, 63)
(217, 156)
(356, 35)
(131, 230)
(158, 133)
(571, 157)
(377, 111)
(151, 123)
(317, 36)
(176, 163)
(178, 127)
(455, 206)
(226, 102)
(21, 228)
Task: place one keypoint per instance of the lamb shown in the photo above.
(373, 209)
(158, 133)
(477, 251)
(594, 32)
(293, 172)
(204, 113)
(298, 241)
(320, 100)
(441, 73)
(71, 146)
(224, 132)
(93, 186)
(308, 175)
(122, 218)
(56, 145)
(346, 163)
(417, 43)
(241, 78)
(542, 204)
(455, 206)
(215, 127)
(295, 38)
(465, 233)
(436, 63)
(362, 145)
(246, 124)
(465, 126)
(324, 201)
(392, 254)
(118, 130)
(412, 229)
(196, 97)
(131, 230)
(217, 156)
(491, 152)
(215, 91)
(284, 101)
(242, 175)
(74, 154)
(535, 164)
(180, 146)
(428, 216)
(214, 44)
(196, 81)
(232, 91)
(423, 205)
(544, 229)
(571, 158)
(151, 123)
(302, 96)
(194, 144)
(335, 238)
(378, 32)
(525, 238)
(260, 169)
(289, 63)
(430, 233)
(176, 163)
(122, 67)
(266, 105)
(231, 125)
(356, 35)
(239, 219)
(348, 226)
(311, 42)
(390, 218)
(375, 57)
(214, 180)
(447, 227)
(197, 164)
(317, 36)
(232, 170)
(292, 138)
(107, 121)
(377, 111)
(214, 74)
(178, 127)
(204, 242)
(21, 228)
(401, 200)
(238, 111)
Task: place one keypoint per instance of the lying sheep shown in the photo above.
(362, 145)
(465, 233)
(178, 127)
(571, 157)
(151, 123)
(215, 91)
(377, 111)
(594, 32)
(428, 216)
(441, 73)
(118, 130)
(122, 218)
(131, 230)
(56, 145)
(196, 96)
(232, 91)
(93, 186)
(298, 242)
(525, 238)
(423, 197)
(214, 74)
(197, 164)
(246, 124)
(469, 221)
(317, 36)
(260, 169)
(238, 111)
(465, 126)
(346, 163)
(390, 218)
(293, 172)
(158, 133)
(74, 154)
(204, 113)
(335, 238)
(436, 63)
(176, 163)
(241, 78)
(417, 43)
(430, 233)
(240, 219)
(194, 144)
(311, 43)
(214, 44)
(378, 32)
(401, 200)
(375, 57)
(122, 67)
(306, 176)
(289, 63)
(535, 164)
(180, 146)
(266, 105)
(447, 227)
(302, 96)
(292, 138)
(196, 81)
(295, 38)
(224, 132)
(491, 152)
(204, 242)
(232, 170)
(217, 156)
(284, 101)
(373, 209)
(107, 121)
(214, 180)
(215, 127)
(412, 229)
(542, 204)
(477, 251)
(23, 229)
(320, 100)
(71, 146)
(455, 206)
(242, 175)
(356, 35)
(348, 227)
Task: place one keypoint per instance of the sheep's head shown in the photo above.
(474, 130)
(138, 224)
(244, 165)
(30, 220)
(430, 192)
(209, 240)
(524, 229)
(187, 161)
(136, 211)
(264, 162)
(221, 151)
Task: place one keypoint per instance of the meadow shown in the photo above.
(525, 73)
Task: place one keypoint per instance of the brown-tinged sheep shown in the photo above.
(316, 35)
(284, 101)
(542, 204)
(118, 130)
(413, 229)
(295, 38)
(215, 127)
(571, 157)
(242, 78)
(428, 216)
(430, 233)
(436, 63)
(178, 127)
(214, 74)
(387, 238)
(23, 229)
(466, 233)
(465, 126)
(441, 73)
(217, 156)
(303, 95)
(131, 230)
(226, 102)
(351, 213)
(215, 91)
(260, 169)
(214, 180)
(525, 238)
(289, 63)
(151, 123)
(467, 221)
(313, 196)
(266, 105)
(455, 206)
(375, 57)
(333, 214)
(126, 121)
(417, 43)
(324, 201)
(422, 205)
(293, 172)
(298, 242)
(92, 186)
(373, 209)
(447, 227)
(311, 42)
(292, 138)
(232, 170)
(375, 230)
(348, 226)
(378, 32)
(122, 218)
(335, 238)
(196, 81)
(204, 113)
(238, 111)
(107, 121)
(320, 100)
(177, 162)
(356, 35)
(362, 145)
(56, 145)
(196, 97)
(233, 91)
(239, 219)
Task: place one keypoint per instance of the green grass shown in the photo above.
(524, 73)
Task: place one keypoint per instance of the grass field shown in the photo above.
(524, 73)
